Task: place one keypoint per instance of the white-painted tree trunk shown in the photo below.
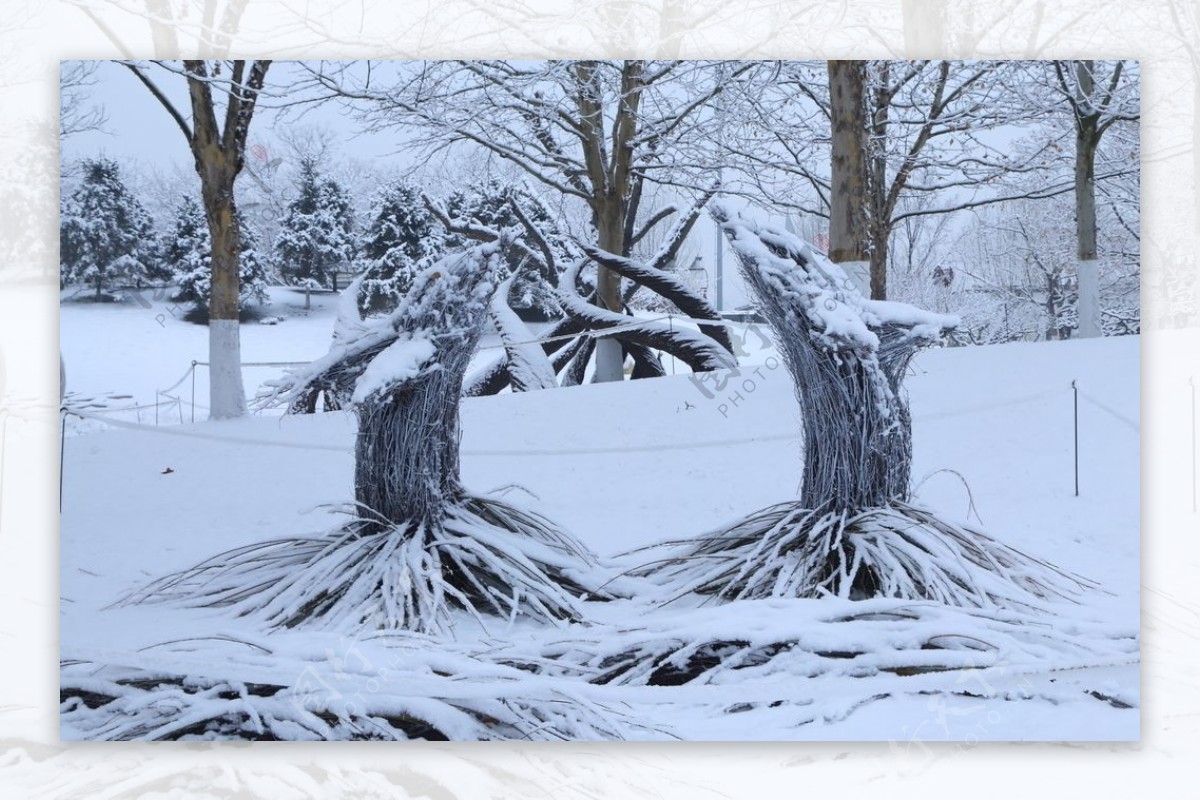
(1089, 298)
(610, 363)
(227, 396)
(860, 273)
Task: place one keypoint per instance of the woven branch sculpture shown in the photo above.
(419, 545)
(854, 532)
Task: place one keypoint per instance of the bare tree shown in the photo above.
(1021, 258)
(928, 125)
(218, 148)
(593, 133)
(76, 113)
(1098, 96)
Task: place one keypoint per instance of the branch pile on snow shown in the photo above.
(751, 643)
(419, 545)
(427, 691)
(853, 532)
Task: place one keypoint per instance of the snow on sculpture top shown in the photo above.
(846, 354)
(838, 316)
(445, 304)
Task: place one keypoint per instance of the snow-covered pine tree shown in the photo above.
(531, 293)
(105, 234)
(315, 239)
(400, 236)
(187, 249)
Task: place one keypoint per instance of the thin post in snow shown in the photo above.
(62, 459)
(1075, 390)
(671, 323)
(193, 391)
(3, 445)
(1192, 382)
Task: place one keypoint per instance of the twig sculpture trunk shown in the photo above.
(406, 456)
(848, 358)
(419, 545)
(854, 532)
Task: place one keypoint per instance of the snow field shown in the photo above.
(623, 466)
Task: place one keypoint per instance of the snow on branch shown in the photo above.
(699, 351)
(528, 367)
(670, 287)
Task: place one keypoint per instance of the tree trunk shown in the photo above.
(1087, 137)
(608, 159)
(1085, 227)
(218, 152)
(848, 193)
(227, 395)
(610, 228)
(879, 211)
(878, 266)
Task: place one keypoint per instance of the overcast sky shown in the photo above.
(139, 129)
(141, 134)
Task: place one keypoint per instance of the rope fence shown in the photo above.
(714, 443)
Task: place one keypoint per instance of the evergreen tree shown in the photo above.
(105, 234)
(400, 237)
(187, 249)
(315, 240)
(487, 203)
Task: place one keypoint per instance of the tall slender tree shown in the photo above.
(216, 137)
(592, 133)
(1095, 105)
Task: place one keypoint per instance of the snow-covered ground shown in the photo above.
(622, 466)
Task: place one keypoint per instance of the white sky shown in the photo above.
(140, 130)
(141, 134)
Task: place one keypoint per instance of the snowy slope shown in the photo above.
(623, 466)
